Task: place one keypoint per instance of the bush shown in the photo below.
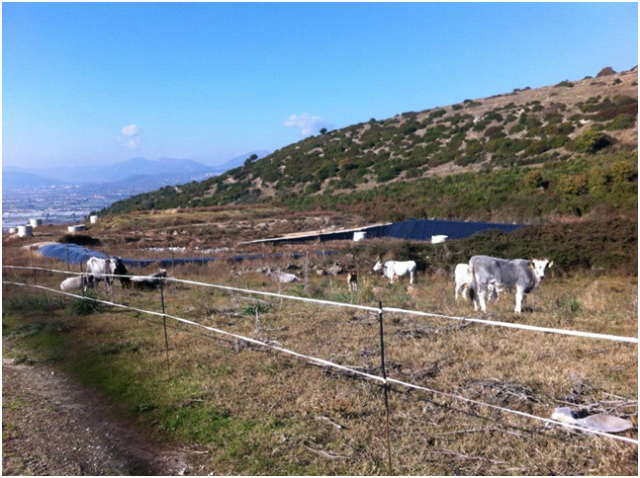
(312, 188)
(494, 132)
(613, 111)
(574, 185)
(606, 71)
(413, 173)
(557, 141)
(623, 121)
(437, 113)
(534, 179)
(85, 306)
(623, 171)
(590, 142)
(79, 239)
(516, 128)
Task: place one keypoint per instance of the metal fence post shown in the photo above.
(164, 323)
(386, 387)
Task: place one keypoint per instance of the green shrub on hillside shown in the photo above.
(494, 132)
(437, 114)
(574, 185)
(590, 142)
(624, 171)
(517, 128)
(623, 121)
(534, 179)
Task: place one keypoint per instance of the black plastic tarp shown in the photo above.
(423, 229)
(79, 255)
(413, 230)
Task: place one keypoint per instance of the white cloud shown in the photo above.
(306, 123)
(130, 137)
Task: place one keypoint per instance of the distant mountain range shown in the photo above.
(139, 173)
(19, 180)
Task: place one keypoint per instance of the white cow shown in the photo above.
(80, 282)
(105, 269)
(463, 279)
(392, 269)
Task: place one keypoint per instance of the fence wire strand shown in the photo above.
(327, 363)
(495, 323)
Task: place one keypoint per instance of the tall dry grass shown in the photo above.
(283, 416)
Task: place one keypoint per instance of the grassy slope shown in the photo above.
(360, 164)
(256, 412)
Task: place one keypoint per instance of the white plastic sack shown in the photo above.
(600, 422)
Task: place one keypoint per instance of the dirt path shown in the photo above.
(52, 426)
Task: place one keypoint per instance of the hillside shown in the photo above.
(579, 136)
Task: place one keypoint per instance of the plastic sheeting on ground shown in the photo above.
(79, 255)
(76, 254)
(423, 229)
(413, 230)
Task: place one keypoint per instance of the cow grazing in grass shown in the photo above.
(282, 277)
(149, 282)
(105, 269)
(74, 283)
(393, 269)
(490, 273)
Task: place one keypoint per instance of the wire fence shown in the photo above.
(383, 380)
(495, 323)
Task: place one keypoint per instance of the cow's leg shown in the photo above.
(483, 301)
(519, 299)
(411, 278)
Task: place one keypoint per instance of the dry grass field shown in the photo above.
(256, 411)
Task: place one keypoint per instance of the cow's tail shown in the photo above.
(473, 287)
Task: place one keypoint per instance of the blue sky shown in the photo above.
(100, 83)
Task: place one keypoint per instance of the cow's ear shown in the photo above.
(532, 266)
(550, 265)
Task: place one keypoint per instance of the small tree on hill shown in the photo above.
(606, 71)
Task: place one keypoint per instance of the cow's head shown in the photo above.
(378, 265)
(538, 267)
